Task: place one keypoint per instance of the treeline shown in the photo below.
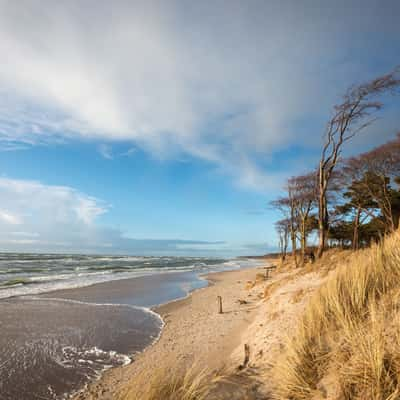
(347, 202)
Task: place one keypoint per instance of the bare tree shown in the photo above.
(282, 228)
(349, 118)
(303, 191)
(287, 207)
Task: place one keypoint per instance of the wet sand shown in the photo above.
(52, 344)
(145, 291)
(50, 348)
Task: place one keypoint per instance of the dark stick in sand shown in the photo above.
(219, 304)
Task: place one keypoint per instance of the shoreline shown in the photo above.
(190, 344)
(257, 314)
(90, 328)
(18, 286)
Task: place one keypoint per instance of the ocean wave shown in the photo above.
(45, 275)
(91, 304)
(15, 283)
(93, 359)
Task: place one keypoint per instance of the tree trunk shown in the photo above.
(283, 242)
(283, 255)
(294, 247)
(387, 207)
(303, 239)
(285, 245)
(321, 211)
(322, 224)
(293, 229)
(356, 229)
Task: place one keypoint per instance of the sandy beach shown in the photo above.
(57, 342)
(196, 334)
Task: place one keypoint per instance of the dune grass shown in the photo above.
(346, 346)
(347, 343)
(193, 384)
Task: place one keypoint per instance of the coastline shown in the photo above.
(258, 314)
(193, 332)
(58, 341)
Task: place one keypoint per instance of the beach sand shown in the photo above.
(195, 333)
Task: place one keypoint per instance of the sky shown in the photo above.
(166, 127)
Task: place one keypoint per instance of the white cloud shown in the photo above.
(224, 81)
(61, 218)
(31, 201)
(9, 219)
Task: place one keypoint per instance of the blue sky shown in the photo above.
(159, 128)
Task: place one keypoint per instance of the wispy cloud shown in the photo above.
(129, 152)
(106, 151)
(223, 81)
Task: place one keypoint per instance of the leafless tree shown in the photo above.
(282, 228)
(349, 117)
(287, 207)
(303, 190)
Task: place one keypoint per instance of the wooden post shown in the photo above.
(266, 273)
(219, 304)
(246, 355)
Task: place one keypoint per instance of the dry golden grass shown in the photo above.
(347, 345)
(272, 287)
(298, 295)
(250, 285)
(194, 384)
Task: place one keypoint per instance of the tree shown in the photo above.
(349, 118)
(341, 233)
(282, 227)
(381, 166)
(287, 207)
(377, 169)
(360, 205)
(303, 191)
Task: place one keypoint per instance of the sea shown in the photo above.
(65, 319)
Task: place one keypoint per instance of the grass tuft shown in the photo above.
(194, 384)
